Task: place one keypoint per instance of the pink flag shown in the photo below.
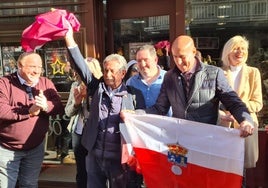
(176, 153)
(47, 27)
(162, 44)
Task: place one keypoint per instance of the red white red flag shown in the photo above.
(176, 153)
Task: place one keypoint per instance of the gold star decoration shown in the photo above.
(58, 67)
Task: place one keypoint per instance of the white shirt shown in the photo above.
(236, 76)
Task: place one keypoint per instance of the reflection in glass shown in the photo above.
(9, 57)
(58, 67)
(129, 34)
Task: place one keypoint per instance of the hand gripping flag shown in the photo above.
(176, 153)
(47, 27)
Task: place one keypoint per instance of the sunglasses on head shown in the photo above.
(134, 69)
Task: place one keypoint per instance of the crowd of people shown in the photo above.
(193, 90)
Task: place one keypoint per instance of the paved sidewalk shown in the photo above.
(55, 174)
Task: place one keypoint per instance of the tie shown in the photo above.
(187, 77)
(29, 92)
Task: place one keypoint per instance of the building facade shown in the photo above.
(120, 26)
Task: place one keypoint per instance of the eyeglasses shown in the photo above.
(32, 67)
(29, 92)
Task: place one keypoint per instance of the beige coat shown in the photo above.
(250, 92)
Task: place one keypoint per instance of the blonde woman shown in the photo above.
(246, 81)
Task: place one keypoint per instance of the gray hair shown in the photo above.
(116, 57)
(148, 47)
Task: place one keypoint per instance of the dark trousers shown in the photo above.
(135, 180)
(64, 142)
(100, 171)
(80, 154)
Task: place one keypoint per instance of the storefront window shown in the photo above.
(129, 34)
(8, 61)
(57, 65)
(58, 68)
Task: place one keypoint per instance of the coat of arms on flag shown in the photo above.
(176, 154)
(185, 154)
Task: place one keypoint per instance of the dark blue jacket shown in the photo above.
(209, 86)
(131, 99)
